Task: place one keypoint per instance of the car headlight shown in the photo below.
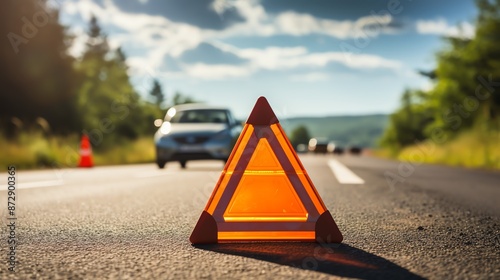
(165, 128)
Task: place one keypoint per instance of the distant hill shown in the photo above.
(362, 130)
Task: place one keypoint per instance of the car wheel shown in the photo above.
(161, 164)
(183, 164)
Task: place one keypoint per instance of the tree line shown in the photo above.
(43, 85)
(465, 96)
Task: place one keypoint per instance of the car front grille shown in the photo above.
(191, 139)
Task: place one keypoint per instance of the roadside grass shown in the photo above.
(31, 150)
(473, 149)
(141, 150)
(384, 153)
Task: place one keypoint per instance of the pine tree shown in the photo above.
(157, 93)
(108, 103)
(97, 44)
(300, 135)
(180, 98)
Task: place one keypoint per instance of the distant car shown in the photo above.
(195, 132)
(321, 146)
(301, 148)
(338, 150)
(355, 150)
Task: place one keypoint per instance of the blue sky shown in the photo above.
(309, 58)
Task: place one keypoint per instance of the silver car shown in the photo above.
(194, 132)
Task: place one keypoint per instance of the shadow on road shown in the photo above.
(340, 260)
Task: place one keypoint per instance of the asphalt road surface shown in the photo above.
(134, 221)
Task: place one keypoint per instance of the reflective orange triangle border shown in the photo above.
(264, 192)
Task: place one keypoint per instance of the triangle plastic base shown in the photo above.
(327, 230)
(205, 231)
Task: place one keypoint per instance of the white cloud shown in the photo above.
(79, 41)
(284, 58)
(85, 8)
(442, 27)
(217, 72)
(368, 61)
(156, 34)
(297, 24)
(177, 37)
(280, 58)
(259, 23)
(220, 6)
(159, 37)
(310, 77)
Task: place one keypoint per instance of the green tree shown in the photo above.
(37, 77)
(108, 104)
(300, 135)
(97, 45)
(407, 125)
(468, 76)
(466, 93)
(157, 93)
(180, 98)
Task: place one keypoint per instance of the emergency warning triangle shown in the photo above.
(264, 192)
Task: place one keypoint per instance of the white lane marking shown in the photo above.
(31, 185)
(344, 175)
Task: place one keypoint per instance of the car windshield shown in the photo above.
(200, 116)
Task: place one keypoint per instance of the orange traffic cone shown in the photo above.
(85, 152)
